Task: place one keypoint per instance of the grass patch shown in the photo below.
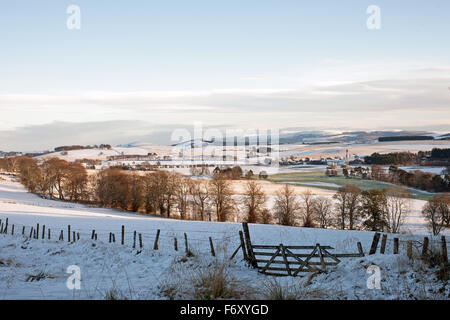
(275, 289)
(114, 294)
(38, 277)
(216, 282)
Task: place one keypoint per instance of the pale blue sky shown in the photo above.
(232, 63)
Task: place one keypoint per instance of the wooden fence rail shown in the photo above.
(291, 260)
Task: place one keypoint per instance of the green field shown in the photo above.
(309, 179)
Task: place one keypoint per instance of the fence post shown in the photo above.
(186, 243)
(395, 245)
(37, 231)
(134, 239)
(409, 249)
(123, 235)
(23, 230)
(73, 234)
(373, 247)
(383, 243)
(93, 234)
(110, 237)
(175, 243)
(31, 232)
(241, 236)
(68, 233)
(155, 245)
(360, 249)
(213, 253)
(43, 231)
(140, 240)
(49, 234)
(12, 230)
(61, 236)
(425, 248)
(78, 236)
(248, 241)
(444, 250)
(114, 237)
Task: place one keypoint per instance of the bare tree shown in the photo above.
(254, 200)
(182, 191)
(435, 211)
(200, 196)
(286, 206)
(348, 205)
(136, 191)
(149, 191)
(173, 181)
(76, 180)
(113, 188)
(221, 196)
(323, 211)
(444, 208)
(307, 198)
(55, 171)
(397, 206)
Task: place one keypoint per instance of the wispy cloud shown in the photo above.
(96, 116)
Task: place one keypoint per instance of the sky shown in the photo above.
(137, 70)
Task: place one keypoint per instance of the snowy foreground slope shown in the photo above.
(112, 269)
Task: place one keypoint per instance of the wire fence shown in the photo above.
(137, 239)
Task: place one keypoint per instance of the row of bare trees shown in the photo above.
(351, 209)
(161, 192)
(174, 195)
(53, 177)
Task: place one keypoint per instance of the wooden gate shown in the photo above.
(284, 260)
(290, 260)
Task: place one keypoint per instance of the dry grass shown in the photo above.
(273, 289)
(39, 276)
(203, 280)
(293, 289)
(217, 282)
(115, 294)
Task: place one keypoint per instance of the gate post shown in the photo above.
(251, 255)
(373, 247)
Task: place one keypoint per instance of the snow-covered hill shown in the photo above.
(110, 266)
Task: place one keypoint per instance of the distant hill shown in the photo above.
(405, 138)
(315, 137)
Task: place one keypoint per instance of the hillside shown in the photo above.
(112, 269)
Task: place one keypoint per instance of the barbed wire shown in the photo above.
(170, 233)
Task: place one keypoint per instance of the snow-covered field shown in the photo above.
(110, 267)
(433, 170)
(102, 154)
(361, 150)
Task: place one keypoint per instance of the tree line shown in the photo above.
(173, 195)
(406, 158)
(415, 179)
